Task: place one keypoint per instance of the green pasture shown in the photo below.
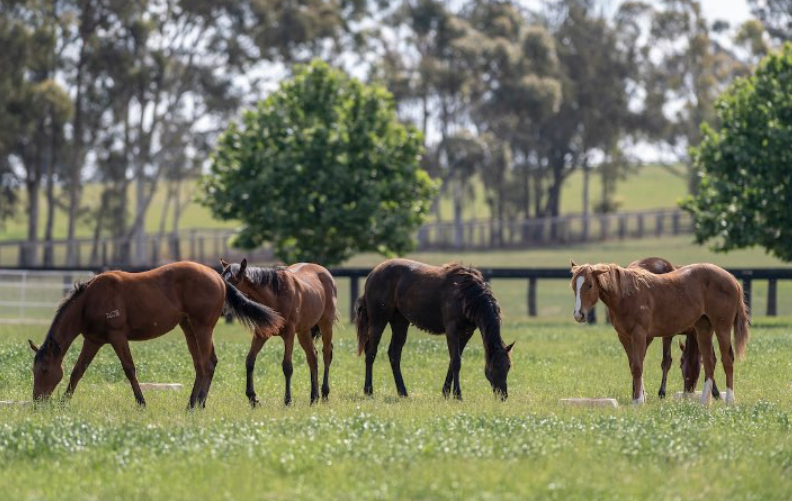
(651, 187)
(101, 446)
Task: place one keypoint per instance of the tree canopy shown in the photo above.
(322, 169)
(746, 182)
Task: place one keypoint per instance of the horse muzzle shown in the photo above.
(580, 316)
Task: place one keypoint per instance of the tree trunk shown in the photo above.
(33, 186)
(49, 258)
(75, 164)
(586, 187)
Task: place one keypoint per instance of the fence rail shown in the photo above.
(531, 276)
(208, 245)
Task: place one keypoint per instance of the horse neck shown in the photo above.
(491, 335)
(67, 325)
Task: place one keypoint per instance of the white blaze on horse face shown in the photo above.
(706, 392)
(578, 300)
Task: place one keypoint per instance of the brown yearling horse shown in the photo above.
(644, 305)
(690, 362)
(116, 307)
(305, 295)
(450, 299)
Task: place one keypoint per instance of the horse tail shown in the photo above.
(361, 323)
(742, 322)
(262, 320)
(315, 332)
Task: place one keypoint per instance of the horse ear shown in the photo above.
(242, 266)
(572, 263)
(33, 346)
(223, 263)
(509, 348)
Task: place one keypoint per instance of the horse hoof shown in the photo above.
(661, 394)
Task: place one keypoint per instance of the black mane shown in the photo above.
(265, 276)
(50, 345)
(479, 305)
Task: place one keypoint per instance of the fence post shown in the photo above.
(532, 297)
(676, 223)
(772, 292)
(640, 225)
(622, 227)
(659, 224)
(354, 291)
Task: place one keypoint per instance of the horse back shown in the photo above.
(316, 288)
(151, 303)
(412, 289)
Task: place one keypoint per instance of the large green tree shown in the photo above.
(746, 182)
(322, 169)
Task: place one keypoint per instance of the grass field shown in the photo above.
(651, 187)
(100, 446)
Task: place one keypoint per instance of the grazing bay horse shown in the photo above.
(690, 362)
(305, 295)
(644, 305)
(116, 307)
(451, 299)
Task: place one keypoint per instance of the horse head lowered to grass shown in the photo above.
(452, 299)
(116, 307)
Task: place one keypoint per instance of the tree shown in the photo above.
(746, 187)
(322, 169)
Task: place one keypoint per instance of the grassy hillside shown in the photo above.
(650, 188)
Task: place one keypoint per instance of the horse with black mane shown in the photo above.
(116, 307)
(451, 299)
(690, 362)
(305, 295)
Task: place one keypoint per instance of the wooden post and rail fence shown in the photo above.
(208, 245)
(532, 277)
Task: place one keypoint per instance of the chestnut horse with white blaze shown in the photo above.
(305, 295)
(644, 305)
(451, 299)
(690, 362)
(116, 307)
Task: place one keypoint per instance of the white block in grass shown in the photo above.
(590, 402)
(161, 386)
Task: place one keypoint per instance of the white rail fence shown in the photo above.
(31, 296)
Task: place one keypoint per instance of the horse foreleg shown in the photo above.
(455, 364)
(665, 365)
(636, 367)
(288, 368)
(250, 364)
(463, 340)
(399, 326)
(87, 354)
(306, 341)
(121, 347)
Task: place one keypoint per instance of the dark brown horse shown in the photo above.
(452, 299)
(116, 307)
(644, 305)
(690, 361)
(305, 295)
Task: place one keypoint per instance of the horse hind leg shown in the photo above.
(727, 359)
(306, 341)
(399, 326)
(326, 330)
(376, 326)
(665, 365)
(199, 342)
(704, 339)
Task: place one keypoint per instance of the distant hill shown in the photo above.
(652, 187)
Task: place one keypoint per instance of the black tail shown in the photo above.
(262, 320)
(315, 332)
(361, 323)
